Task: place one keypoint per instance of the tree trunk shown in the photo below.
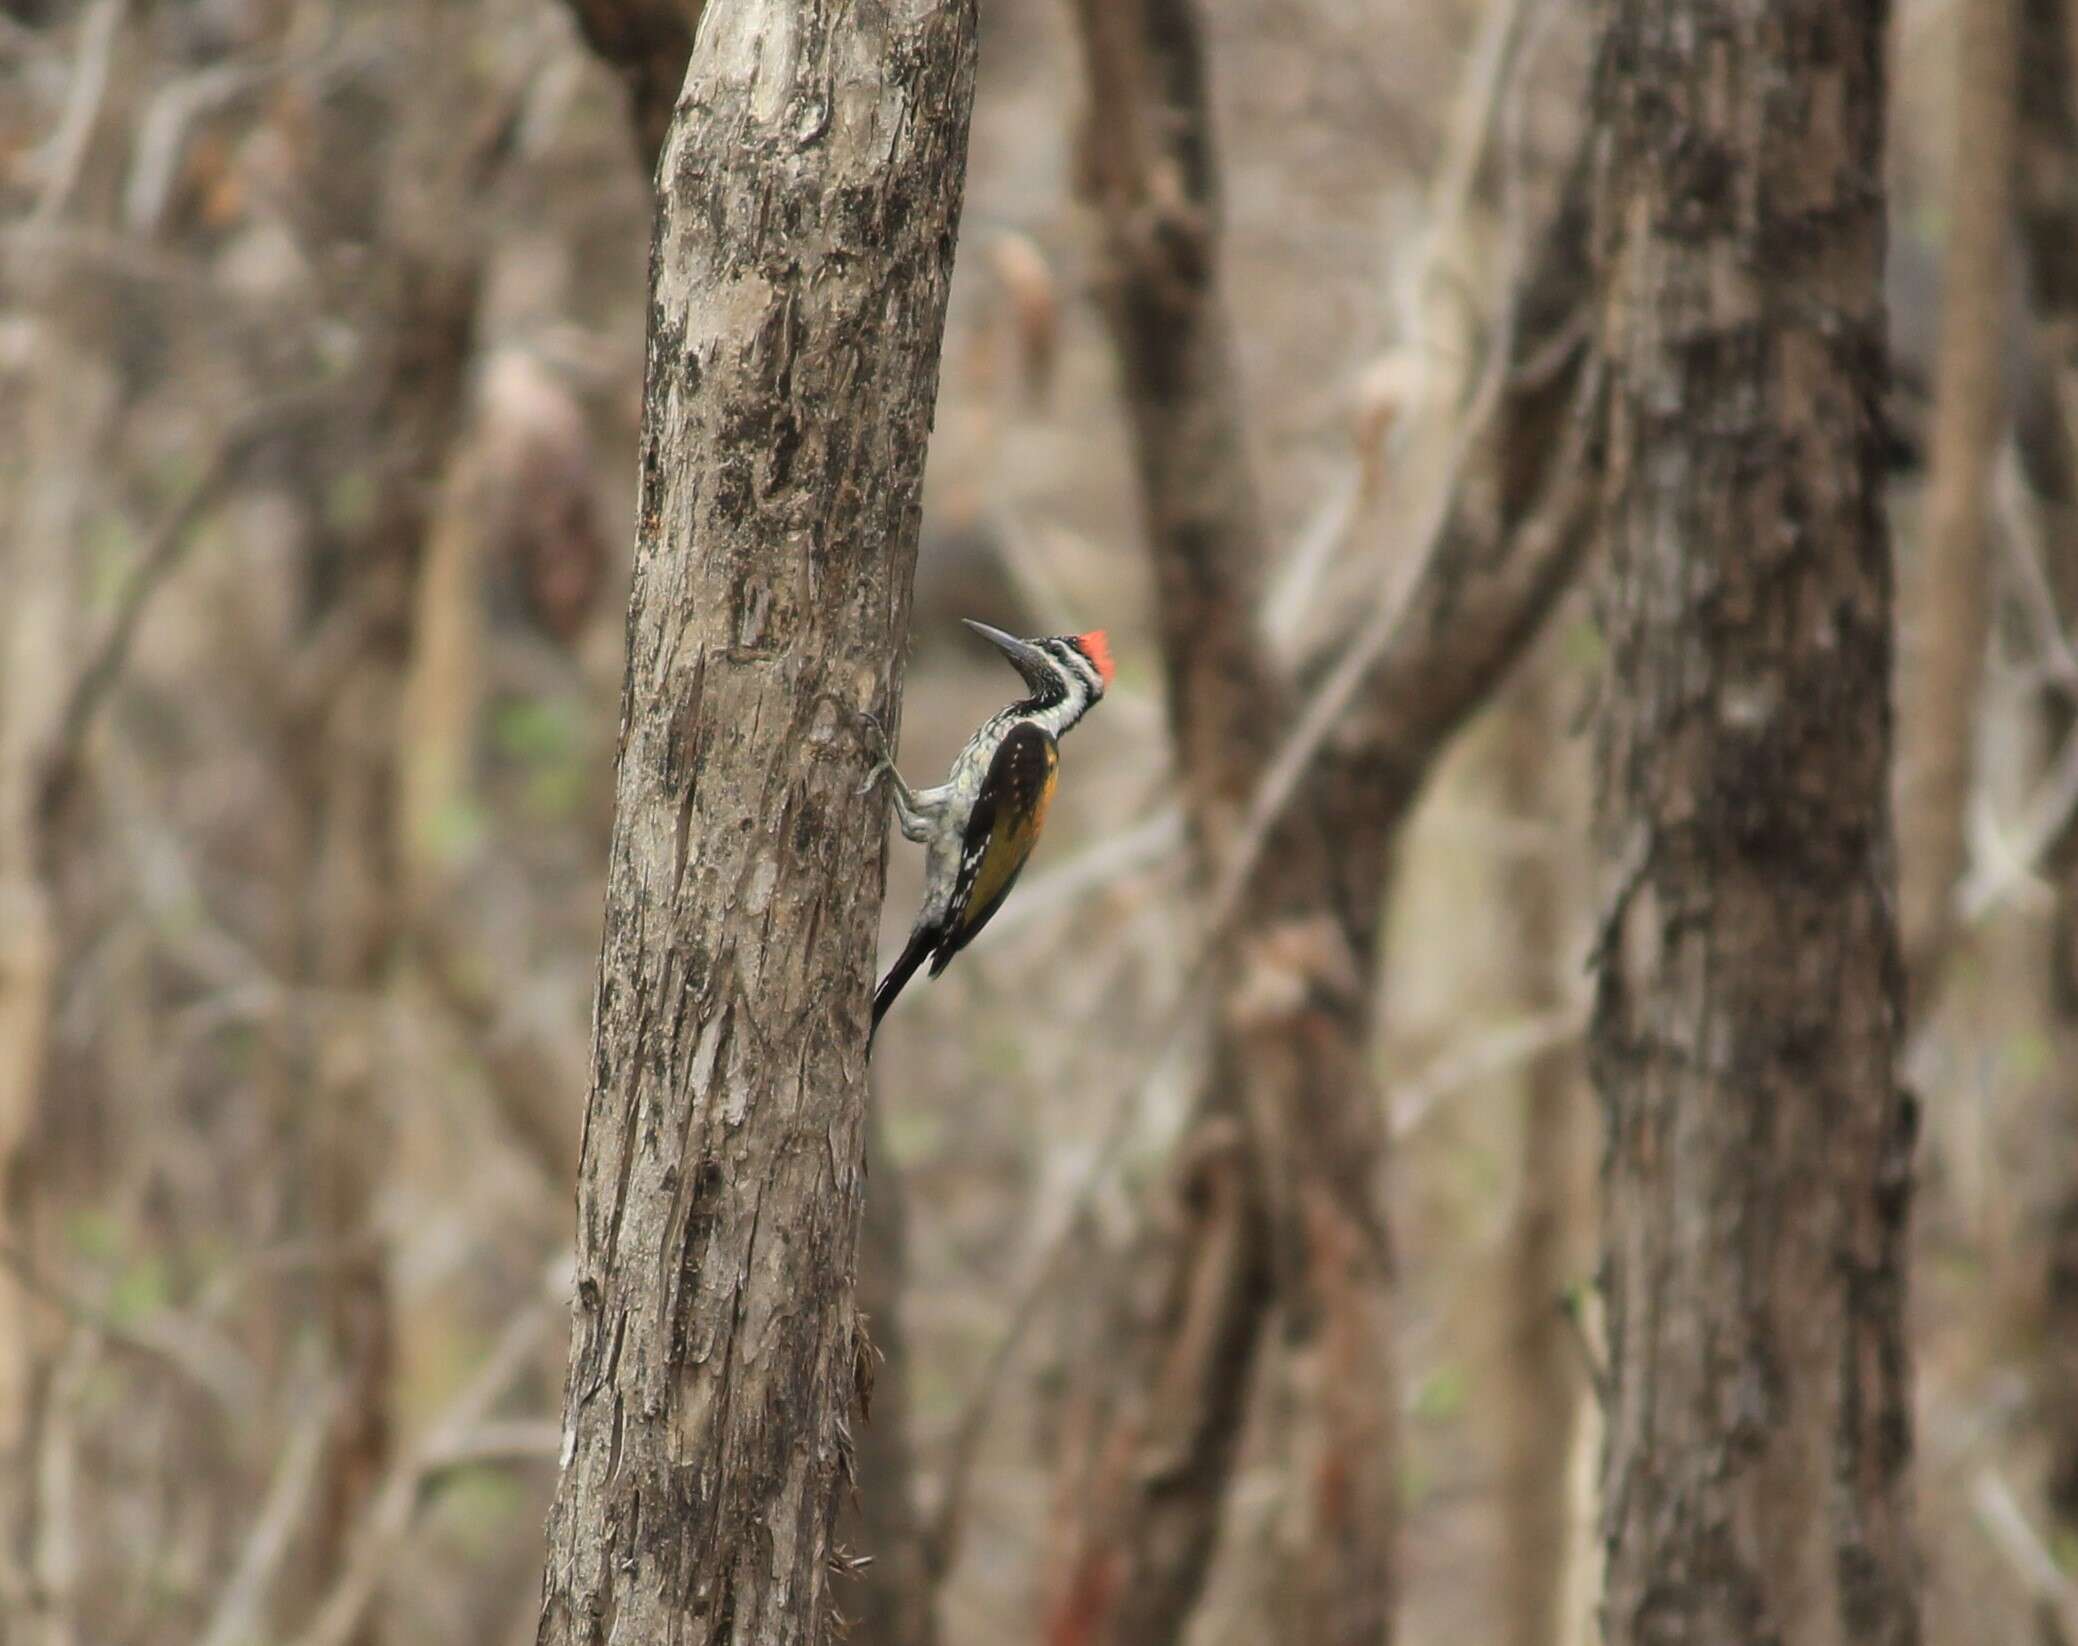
(1758, 1170)
(808, 201)
(60, 416)
(354, 909)
(1952, 601)
(2046, 179)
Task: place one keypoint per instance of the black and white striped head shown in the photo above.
(1067, 673)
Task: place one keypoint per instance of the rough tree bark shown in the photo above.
(649, 42)
(1758, 1169)
(1951, 601)
(808, 200)
(1277, 1178)
(2046, 200)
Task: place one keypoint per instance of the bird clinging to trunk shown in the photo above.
(980, 824)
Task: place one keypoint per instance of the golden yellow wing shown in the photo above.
(1001, 834)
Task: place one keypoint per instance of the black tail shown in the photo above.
(920, 945)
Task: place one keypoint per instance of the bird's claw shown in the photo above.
(877, 743)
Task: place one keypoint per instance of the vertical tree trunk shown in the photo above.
(355, 911)
(1758, 1173)
(809, 199)
(60, 412)
(1952, 602)
(2046, 198)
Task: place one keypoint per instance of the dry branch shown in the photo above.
(1291, 826)
(1952, 608)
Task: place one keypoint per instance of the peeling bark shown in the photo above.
(809, 199)
(1758, 1162)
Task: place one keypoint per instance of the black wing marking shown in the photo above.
(1016, 794)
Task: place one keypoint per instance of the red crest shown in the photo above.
(1098, 647)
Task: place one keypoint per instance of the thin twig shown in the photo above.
(396, 1505)
(1146, 843)
(236, 1618)
(1572, 1308)
(205, 1359)
(1490, 1054)
(941, 1537)
(2044, 821)
(519, 1440)
(65, 154)
(2022, 540)
(2007, 1526)
(246, 437)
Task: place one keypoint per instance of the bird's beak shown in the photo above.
(1025, 657)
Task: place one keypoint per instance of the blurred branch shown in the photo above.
(1937, 722)
(205, 1359)
(445, 1446)
(1496, 1052)
(531, 1088)
(66, 152)
(250, 433)
(1293, 804)
(649, 44)
(237, 1618)
(2006, 1525)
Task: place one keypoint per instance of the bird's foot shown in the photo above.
(877, 745)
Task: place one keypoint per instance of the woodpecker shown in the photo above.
(981, 823)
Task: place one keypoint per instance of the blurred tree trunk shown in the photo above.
(2046, 180)
(1540, 1367)
(808, 205)
(896, 1603)
(647, 43)
(1758, 1175)
(61, 402)
(1276, 1184)
(1950, 601)
(349, 748)
(355, 904)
